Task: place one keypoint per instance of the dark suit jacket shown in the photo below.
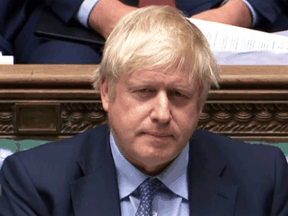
(77, 177)
(18, 19)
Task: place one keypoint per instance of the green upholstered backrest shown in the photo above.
(8, 147)
(282, 146)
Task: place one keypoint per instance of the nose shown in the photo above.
(161, 112)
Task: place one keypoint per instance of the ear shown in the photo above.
(201, 112)
(200, 107)
(104, 90)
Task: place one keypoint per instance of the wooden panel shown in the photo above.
(265, 76)
(57, 101)
(37, 118)
(47, 75)
(75, 75)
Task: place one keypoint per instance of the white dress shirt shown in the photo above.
(172, 197)
(87, 6)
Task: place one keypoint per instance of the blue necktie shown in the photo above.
(148, 190)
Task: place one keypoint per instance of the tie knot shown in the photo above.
(149, 187)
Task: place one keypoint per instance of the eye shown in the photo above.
(145, 91)
(175, 93)
(178, 94)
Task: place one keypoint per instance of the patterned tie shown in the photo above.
(148, 189)
(143, 3)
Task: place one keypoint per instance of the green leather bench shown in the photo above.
(8, 147)
(282, 146)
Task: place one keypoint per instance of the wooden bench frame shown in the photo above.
(54, 102)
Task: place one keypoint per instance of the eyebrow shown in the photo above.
(150, 82)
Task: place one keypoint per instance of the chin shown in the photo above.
(154, 166)
(156, 158)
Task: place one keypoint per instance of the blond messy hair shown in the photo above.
(161, 38)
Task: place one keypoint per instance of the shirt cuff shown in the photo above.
(254, 13)
(85, 10)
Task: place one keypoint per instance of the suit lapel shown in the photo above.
(209, 193)
(96, 193)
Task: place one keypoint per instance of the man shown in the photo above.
(154, 77)
(18, 20)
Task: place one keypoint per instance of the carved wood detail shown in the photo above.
(253, 118)
(6, 118)
(79, 117)
(235, 119)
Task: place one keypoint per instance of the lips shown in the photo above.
(159, 135)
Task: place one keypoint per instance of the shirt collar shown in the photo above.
(129, 177)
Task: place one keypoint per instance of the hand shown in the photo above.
(106, 14)
(234, 12)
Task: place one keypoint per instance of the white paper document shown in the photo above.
(224, 37)
(6, 59)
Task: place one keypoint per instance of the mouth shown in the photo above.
(159, 135)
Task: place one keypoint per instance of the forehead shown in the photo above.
(157, 77)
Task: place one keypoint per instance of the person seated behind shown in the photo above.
(18, 20)
(154, 78)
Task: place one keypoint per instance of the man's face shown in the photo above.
(152, 116)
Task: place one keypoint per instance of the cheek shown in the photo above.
(134, 110)
(190, 112)
(187, 119)
(128, 115)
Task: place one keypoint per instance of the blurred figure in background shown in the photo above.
(18, 20)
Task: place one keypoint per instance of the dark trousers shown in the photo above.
(31, 49)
